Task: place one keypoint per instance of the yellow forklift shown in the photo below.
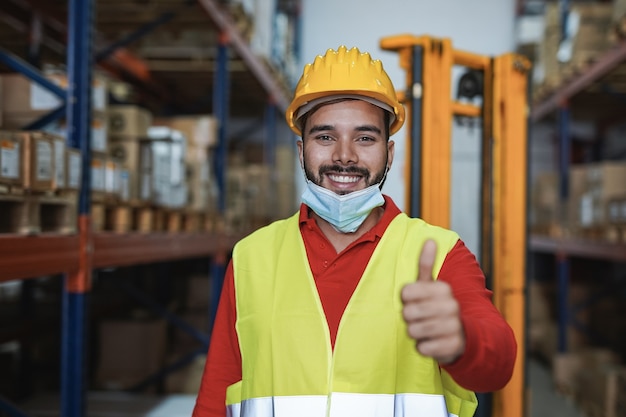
(500, 83)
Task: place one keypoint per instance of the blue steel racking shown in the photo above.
(559, 102)
(75, 256)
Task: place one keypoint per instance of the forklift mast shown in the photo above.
(502, 81)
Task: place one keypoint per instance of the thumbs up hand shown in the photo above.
(432, 313)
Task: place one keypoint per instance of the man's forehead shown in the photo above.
(332, 111)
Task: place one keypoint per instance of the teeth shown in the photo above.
(343, 178)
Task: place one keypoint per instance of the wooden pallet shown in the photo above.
(194, 221)
(122, 217)
(30, 213)
(126, 217)
(612, 233)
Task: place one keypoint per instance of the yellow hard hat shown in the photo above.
(344, 73)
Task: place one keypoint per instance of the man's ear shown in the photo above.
(391, 148)
(300, 146)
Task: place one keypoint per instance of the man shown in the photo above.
(350, 307)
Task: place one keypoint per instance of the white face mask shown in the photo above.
(344, 212)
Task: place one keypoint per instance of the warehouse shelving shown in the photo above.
(29, 256)
(34, 256)
(75, 256)
(583, 94)
(568, 247)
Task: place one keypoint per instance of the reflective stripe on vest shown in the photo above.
(285, 341)
(343, 405)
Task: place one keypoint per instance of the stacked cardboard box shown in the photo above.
(130, 351)
(38, 179)
(169, 149)
(24, 102)
(545, 205)
(618, 19)
(200, 132)
(129, 152)
(38, 161)
(602, 184)
(587, 37)
(595, 206)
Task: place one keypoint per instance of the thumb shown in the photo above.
(427, 261)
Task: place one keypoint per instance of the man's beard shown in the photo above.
(338, 170)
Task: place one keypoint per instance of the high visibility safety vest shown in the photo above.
(289, 366)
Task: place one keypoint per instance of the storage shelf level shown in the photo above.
(34, 256)
(578, 248)
(111, 249)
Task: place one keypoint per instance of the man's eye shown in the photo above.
(366, 139)
(323, 137)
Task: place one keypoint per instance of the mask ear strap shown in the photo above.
(306, 179)
(384, 175)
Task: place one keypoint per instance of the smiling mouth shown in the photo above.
(343, 175)
(343, 179)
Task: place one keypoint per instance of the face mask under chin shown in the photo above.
(345, 212)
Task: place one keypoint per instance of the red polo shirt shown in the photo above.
(490, 347)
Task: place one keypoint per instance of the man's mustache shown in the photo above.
(343, 170)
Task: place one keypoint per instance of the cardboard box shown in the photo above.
(604, 391)
(145, 190)
(168, 170)
(135, 157)
(37, 161)
(98, 173)
(124, 188)
(58, 145)
(130, 350)
(128, 121)
(590, 39)
(200, 131)
(199, 293)
(198, 184)
(10, 159)
(197, 154)
(73, 168)
(58, 154)
(99, 135)
(21, 95)
(112, 177)
(544, 202)
(99, 131)
(616, 210)
(603, 182)
(568, 368)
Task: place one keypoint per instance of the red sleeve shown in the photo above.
(490, 346)
(223, 365)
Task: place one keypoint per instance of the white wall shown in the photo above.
(483, 26)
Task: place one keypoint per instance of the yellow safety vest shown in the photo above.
(289, 366)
